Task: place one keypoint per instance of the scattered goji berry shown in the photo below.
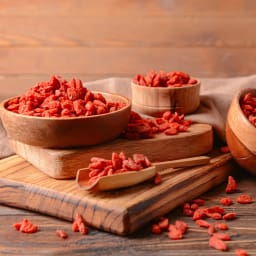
(231, 185)
(143, 128)
(61, 233)
(157, 179)
(155, 229)
(226, 201)
(163, 223)
(199, 201)
(222, 236)
(217, 243)
(175, 234)
(26, 226)
(221, 226)
(244, 199)
(181, 225)
(211, 229)
(229, 216)
(202, 223)
(241, 252)
(79, 225)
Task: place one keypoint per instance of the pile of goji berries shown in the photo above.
(142, 128)
(78, 225)
(164, 79)
(118, 163)
(248, 106)
(60, 98)
(197, 210)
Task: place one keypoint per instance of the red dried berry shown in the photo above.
(218, 244)
(231, 186)
(241, 252)
(155, 229)
(226, 201)
(61, 233)
(244, 199)
(229, 216)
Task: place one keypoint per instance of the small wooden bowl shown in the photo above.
(67, 132)
(241, 134)
(154, 101)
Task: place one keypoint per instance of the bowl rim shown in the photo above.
(167, 88)
(126, 100)
(246, 124)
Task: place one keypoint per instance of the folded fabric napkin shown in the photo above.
(216, 95)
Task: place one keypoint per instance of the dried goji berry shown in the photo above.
(181, 225)
(26, 226)
(211, 229)
(226, 201)
(164, 79)
(163, 223)
(231, 185)
(221, 226)
(229, 216)
(61, 233)
(202, 223)
(218, 244)
(157, 179)
(222, 236)
(155, 229)
(79, 225)
(175, 234)
(244, 199)
(241, 252)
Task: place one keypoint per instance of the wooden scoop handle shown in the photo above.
(184, 162)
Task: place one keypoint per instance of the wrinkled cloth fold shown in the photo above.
(216, 95)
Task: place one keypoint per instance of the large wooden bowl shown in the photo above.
(67, 132)
(156, 100)
(241, 134)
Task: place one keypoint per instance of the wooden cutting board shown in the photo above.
(64, 163)
(121, 211)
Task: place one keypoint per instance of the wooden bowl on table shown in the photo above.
(155, 100)
(65, 132)
(241, 133)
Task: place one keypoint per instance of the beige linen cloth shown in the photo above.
(216, 95)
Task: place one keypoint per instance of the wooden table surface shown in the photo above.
(93, 39)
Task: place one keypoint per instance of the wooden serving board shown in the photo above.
(121, 211)
(64, 163)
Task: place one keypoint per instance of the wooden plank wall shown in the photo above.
(93, 39)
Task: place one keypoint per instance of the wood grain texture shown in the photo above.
(99, 39)
(64, 163)
(122, 211)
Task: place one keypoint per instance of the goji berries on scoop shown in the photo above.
(118, 163)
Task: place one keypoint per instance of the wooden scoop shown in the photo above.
(131, 178)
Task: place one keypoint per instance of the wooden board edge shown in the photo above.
(64, 164)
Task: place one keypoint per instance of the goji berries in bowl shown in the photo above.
(157, 92)
(241, 129)
(64, 118)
